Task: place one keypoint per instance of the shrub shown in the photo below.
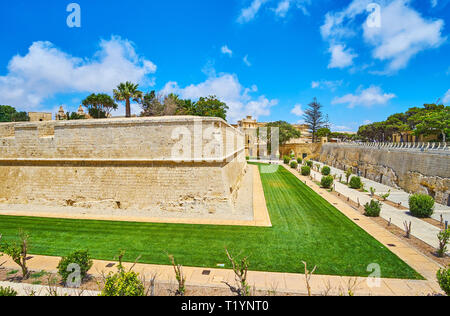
(286, 159)
(386, 196)
(7, 291)
(443, 276)
(327, 182)
(18, 252)
(294, 164)
(373, 208)
(306, 171)
(81, 258)
(348, 174)
(421, 205)
(123, 283)
(444, 237)
(299, 161)
(309, 163)
(326, 171)
(356, 183)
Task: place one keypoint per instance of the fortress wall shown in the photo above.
(124, 162)
(414, 172)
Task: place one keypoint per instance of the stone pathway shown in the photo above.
(40, 290)
(420, 229)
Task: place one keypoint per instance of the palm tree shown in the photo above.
(125, 92)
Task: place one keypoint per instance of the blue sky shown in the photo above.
(266, 58)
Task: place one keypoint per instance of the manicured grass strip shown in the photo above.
(305, 227)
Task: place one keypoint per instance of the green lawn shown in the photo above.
(305, 227)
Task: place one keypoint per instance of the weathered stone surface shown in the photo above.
(414, 172)
(123, 163)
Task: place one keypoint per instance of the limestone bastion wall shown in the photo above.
(169, 163)
(414, 172)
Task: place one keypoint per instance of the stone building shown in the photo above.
(39, 116)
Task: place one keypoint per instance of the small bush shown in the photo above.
(373, 208)
(299, 161)
(386, 196)
(306, 171)
(7, 291)
(443, 276)
(326, 171)
(421, 205)
(356, 183)
(327, 182)
(444, 237)
(294, 164)
(309, 163)
(286, 159)
(81, 258)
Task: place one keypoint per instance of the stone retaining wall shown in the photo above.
(414, 172)
(178, 164)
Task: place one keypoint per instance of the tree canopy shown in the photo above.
(428, 120)
(126, 92)
(99, 105)
(172, 104)
(9, 114)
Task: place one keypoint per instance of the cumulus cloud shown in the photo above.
(283, 8)
(403, 32)
(227, 88)
(365, 97)
(46, 71)
(297, 110)
(341, 57)
(226, 51)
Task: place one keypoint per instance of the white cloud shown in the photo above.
(246, 61)
(326, 84)
(297, 110)
(283, 8)
(402, 35)
(249, 13)
(446, 99)
(368, 98)
(46, 71)
(434, 3)
(226, 51)
(227, 88)
(280, 8)
(341, 57)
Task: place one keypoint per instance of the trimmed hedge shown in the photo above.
(356, 183)
(373, 209)
(299, 161)
(294, 164)
(443, 276)
(326, 171)
(421, 205)
(327, 182)
(81, 258)
(306, 171)
(286, 159)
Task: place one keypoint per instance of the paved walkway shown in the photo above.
(286, 282)
(420, 229)
(40, 290)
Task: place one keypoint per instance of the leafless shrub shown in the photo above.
(408, 229)
(240, 269)
(308, 275)
(180, 277)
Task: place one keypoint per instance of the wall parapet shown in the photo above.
(437, 148)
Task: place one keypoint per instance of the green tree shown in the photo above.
(99, 105)
(315, 118)
(323, 132)
(126, 92)
(9, 114)
(211, 106)
(432, 122)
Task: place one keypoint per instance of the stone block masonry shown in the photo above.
(174, 164)
(414, 172)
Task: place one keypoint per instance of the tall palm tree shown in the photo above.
(125, 92)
